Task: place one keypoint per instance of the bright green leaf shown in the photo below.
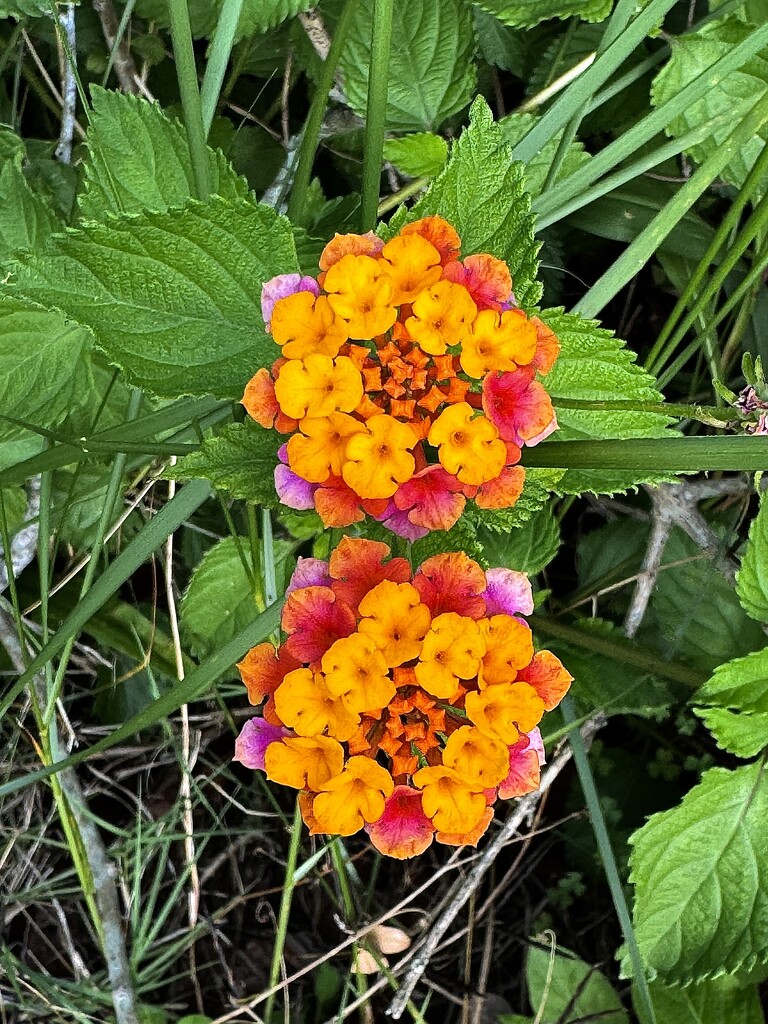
(482, 193)
(720, 1001)
(539, 484)
(25, 219)
(733, 704)
(692, 54)
(241, 461)
(567, 49)
(499, 44)
(25, 8)
(417, 155)
(574, 992)
(139, 160)
(529, 548)
(431, 74)
(752, 578)
(526, 13)
(515, 127)
(172, 298)
(701, 879)
(256, 15)
(593, 365)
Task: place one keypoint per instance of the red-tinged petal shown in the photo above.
(547, 347)
(403, 830)
(547, 675)
(524, 770)
(263, 669)
(508, 593)
(309, 572)
(358, 566)
(259, 399)
(337, 504)
(306, 800)
(502, 492)
(254, 738)
(467, 838)
(452, 582)
(314, 620)
(439, 233)
(486, 278)
(550, 428)
(433, 499)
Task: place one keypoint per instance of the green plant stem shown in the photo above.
(703, 413)
(606, 855)
(215, 69)
(186, 72)
(268, 558)
(376, 112)
(314, 122)
(285, 911)
(673, 454)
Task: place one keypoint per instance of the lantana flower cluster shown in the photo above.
(407, 381)
(403, 703)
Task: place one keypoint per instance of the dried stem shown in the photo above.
(68, 85)
(123, 64)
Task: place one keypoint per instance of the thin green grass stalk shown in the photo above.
(630, 141)
(70, 59)
(672, 454)
(736, 247)
(285, 911)
(314, 122)
(376, 111)
(121, 28)
(268, 558)
(215, 69)
(583, 89)
(341, 866)
(703, 413)
(634, 258)
(606, 855)
(186, 72)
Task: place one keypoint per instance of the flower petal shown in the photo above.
(403, 830)
(452, 582)
(508, 593)
(255, 736)
(314, 620)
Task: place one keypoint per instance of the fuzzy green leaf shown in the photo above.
(26, 8)
(256, 16)
(416, 155)
(736, 92)
(25, 219)
(220, 599)
(241, 460)
(431, 74)
(752, 578)
(700, 873)
(482, 193)
(526, 13)
(539, 484)
(593, 365)
(515, 127)
(44, 364)
(139, 160)
(733, 704)
(529, 548)
(710, 1002)
(460, 537)
(172, 298)
(574, 991)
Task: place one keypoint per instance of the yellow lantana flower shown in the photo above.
(356, 670)
(412, 264)
(348, 801)
(304, 702)
(505, 710)
(302, 325)
(318, 386)
(510, 648)
(319, 449)
(452, 804)
(360, 292)
(442, 316)
(395, 620)
(451, 651)
(303, 761)
(477, 757)
(378, 460)
(498, 342)
(468, 447)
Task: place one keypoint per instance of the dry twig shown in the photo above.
(123, 64)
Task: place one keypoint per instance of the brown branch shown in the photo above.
(123, 64)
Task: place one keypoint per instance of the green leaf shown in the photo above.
(482, 193)
(172, 298)
(574, 991)
(692, 54)
(15, 502)
(526, 13)
(499, 44)
(567, 49)
(139, 160)
(256, 15)
(44, 364)
(515, 127)
(416, 155)
(460, 537)
(220, 600)
(431, 73)
(700, 871)
(733, 704)
(720, 1001)
(529, 548)
(25, 219)
(593, 365)
(752, 578)
(539, 483)
(694, 610)
(241, 461)
(25, 8)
